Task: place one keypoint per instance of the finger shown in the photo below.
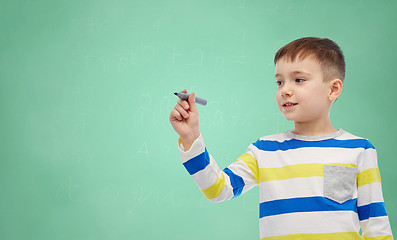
(192, 102)
(176, 115)
(182, 111)
(184, 104)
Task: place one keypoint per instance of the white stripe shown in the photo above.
(367, 160)
(369, 193)
(208, 176)
(280, 137)
(196, 149)
(378, 226)
(241, 169)
(247, 175)
(348, 136)
(307, 155)
(293, 188)
(309, 222)
(226, 193)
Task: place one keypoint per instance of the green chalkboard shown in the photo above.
(86, 89)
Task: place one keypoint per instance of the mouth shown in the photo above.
(289, 104)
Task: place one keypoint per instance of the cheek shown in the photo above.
(315, 103)
(278, 99)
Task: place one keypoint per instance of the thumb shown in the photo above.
(192, 102)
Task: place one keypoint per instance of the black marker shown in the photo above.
(185, 96)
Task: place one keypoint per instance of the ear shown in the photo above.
(336, 86)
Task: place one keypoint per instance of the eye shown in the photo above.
(299, 80)
(279, 83)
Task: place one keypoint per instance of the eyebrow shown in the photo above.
(294, 72)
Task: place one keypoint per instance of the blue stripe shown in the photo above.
(197, 163)
(268, 145)
(372, 210)
(236, 181)
(305, 204)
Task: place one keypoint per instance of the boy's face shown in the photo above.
(302, 95)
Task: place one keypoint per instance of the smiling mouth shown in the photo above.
(289, 104)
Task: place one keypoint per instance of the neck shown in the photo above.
(314, 128)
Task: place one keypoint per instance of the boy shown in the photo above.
(315, 182)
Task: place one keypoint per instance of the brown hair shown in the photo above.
(327, 52)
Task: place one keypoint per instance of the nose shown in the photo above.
(286, 91)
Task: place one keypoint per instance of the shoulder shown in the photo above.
(356, 140)
(279, 137)
(271, 142)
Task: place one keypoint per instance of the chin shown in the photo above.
(289, 117)
(294, 119)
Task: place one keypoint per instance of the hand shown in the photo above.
(184, 119)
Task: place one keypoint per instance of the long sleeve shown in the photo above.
(370, 204)
(219, 185)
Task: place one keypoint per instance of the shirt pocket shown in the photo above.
(339, 182)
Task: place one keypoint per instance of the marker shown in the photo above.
(185, 96)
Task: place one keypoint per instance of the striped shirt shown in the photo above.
(324, 187)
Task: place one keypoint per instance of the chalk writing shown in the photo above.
(220, 64)
(71, 190)
(143, 151)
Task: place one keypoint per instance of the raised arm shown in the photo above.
(216, 184)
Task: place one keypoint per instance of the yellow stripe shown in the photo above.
(316, 236)
(388, 237)
(296, 171)
(251, 162)
(368, 176)
(215, 189)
